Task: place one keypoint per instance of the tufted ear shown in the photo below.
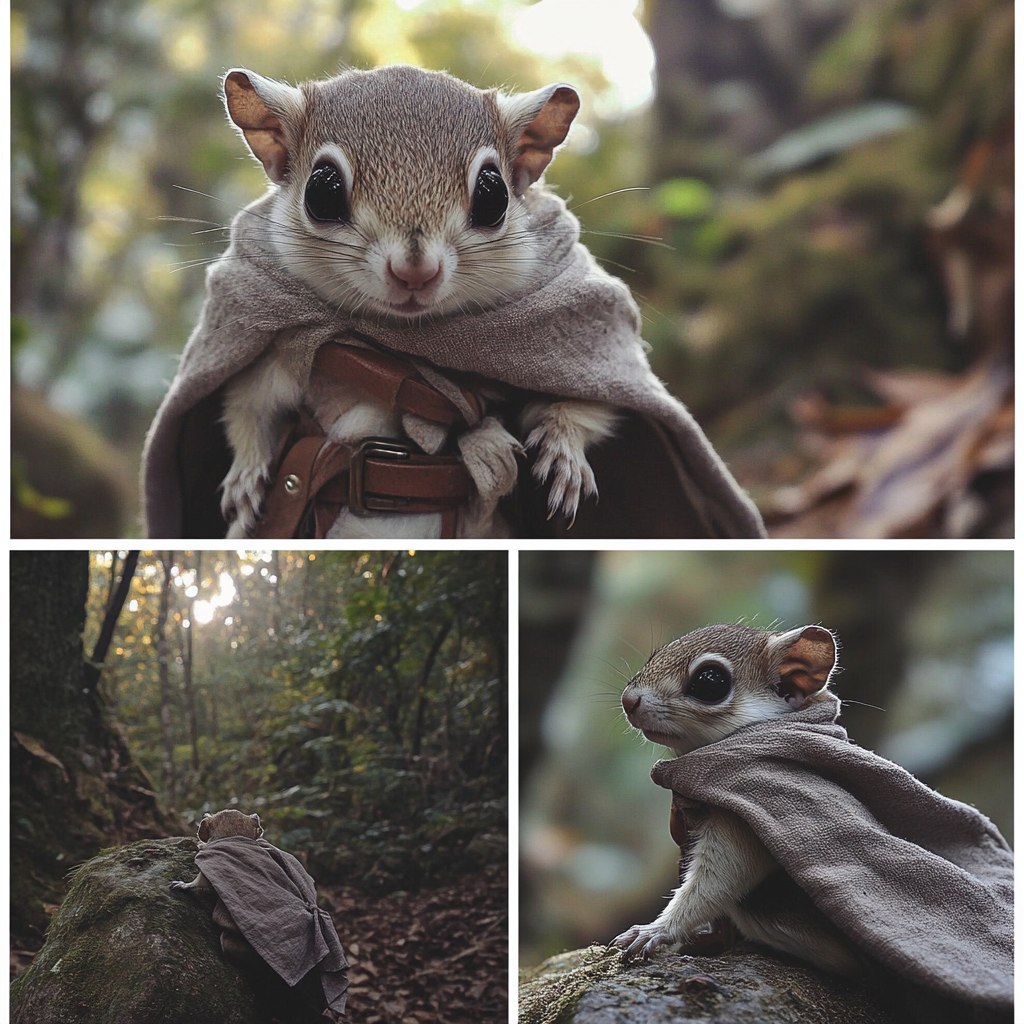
(806, 658)
(260, 108)
(542, 119)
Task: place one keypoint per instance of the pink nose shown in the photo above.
(630, 702)
(414, 276)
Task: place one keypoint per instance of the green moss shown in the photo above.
(125, 949)
(548, 994)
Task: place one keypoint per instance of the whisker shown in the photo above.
(862, 704)
(631, 237)
(604, 261)
(196, 192)
(605, 195)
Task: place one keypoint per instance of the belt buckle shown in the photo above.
(361, 503)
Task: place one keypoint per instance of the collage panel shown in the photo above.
(450, 269)
(198, 735)
(678, 733)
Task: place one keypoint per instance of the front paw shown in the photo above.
(489, 454)
(179, 885)
(561, 460)
(562, 431)
(641, 940)
(244, 488)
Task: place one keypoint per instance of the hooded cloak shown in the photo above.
(575, 333)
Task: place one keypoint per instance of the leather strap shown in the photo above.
(421, 483)
(314, 480)
(305, 468)
(392, 380)
(678, 825)
(315, 477)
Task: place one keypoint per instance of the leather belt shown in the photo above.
(314, 477)
(379, 475)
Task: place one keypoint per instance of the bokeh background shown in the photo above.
(926, 650)
(812, 200)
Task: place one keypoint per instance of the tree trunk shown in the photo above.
(74, 786)
(166, 723)
(186, 665)
(428, 667)
(116, 596)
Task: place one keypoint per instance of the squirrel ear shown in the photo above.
(542, 119)
(806, 658)
(259, 107)
(204, 827)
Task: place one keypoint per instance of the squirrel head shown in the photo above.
(715, 680)
(229, 823)
(401, 190)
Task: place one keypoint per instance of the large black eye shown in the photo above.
(326, 196)
(490, 199)
(710, 683)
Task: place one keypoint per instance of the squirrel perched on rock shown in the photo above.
(812, 845)
(692, 692)
(220, 826)
(268, 912)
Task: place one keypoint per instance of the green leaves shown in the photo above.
(685, 198)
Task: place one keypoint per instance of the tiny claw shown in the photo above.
(639, 941)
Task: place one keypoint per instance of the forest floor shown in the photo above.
(438, 955)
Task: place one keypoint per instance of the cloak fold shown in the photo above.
(575, 335)
(923, 884)
(273, 901)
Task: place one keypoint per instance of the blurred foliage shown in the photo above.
(357, 702)
(798, 278)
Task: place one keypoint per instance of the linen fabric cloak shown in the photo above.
(273, 901)
(921, 883)
(574, 334)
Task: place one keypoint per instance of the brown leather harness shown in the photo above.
(313, 477)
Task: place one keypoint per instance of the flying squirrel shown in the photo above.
(398, 195)
(694, 691)
(220, 826)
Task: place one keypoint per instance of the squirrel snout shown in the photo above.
(414, 276)
(630, 702)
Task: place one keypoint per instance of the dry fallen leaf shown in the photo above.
(439, 955)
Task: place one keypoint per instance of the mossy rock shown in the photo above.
(125, 949)
(592, 986)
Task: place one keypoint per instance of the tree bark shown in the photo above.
(115, 604)
(74, 786)
(428, 667)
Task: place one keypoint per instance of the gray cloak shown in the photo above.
(921, 883)
(273, 901)
(575, 335)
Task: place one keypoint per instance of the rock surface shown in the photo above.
(592, 986)
(124, 949)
